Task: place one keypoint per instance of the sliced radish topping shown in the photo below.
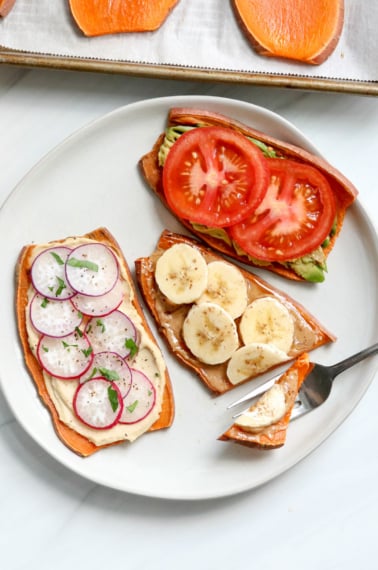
(68, 357)
(101, 305)
(111, 366)
(48, 273)
(98, 403)
(140, 400)
(113, 333)
(54, 318)
(92, 269)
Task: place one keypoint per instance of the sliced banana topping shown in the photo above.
(268, 410)
(210, 333)
(181, 273)
(266, 320)
(253, 359)
(226, 287)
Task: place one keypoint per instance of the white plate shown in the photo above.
(92, 180)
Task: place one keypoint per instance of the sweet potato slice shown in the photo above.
(73, 440)
(100, 17)
(293, 29)
(5, 7)
(274, 435)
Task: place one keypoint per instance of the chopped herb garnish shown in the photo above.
(66, 345)
(113, 398)
(87, 351)
(44, 303)
(132, 406)
(82, 264)
(109, 374)
(45, 349)
(61, 286)
(130, 344)
(99, 323)
(79, 332)
(149, 393)
(57, 258)
(93, 373)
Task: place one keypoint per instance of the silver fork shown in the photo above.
(315, 389)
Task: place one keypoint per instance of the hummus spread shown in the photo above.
(148, 360)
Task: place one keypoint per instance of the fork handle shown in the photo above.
(352, 360)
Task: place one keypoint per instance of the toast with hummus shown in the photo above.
(223, 322)
(87, 344)
(250, 196)
(264, 424)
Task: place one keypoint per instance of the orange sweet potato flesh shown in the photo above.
(273, 436)
(5, 7)
(100, 17)
(76, 442)
(293, 29)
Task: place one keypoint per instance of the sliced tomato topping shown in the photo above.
(214, 176)
(294, 218)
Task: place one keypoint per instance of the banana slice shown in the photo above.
(181, 273)
(253, 359)
(226, 287)
(267, 320)
(270, 408)
(210, 333)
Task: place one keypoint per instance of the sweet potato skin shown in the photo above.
(100, 17)
(344, 191)
(5, 7)
(213, 376)
(74, 441)
(296, 30)
(274, 436)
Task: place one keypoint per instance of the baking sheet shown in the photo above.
(199, 40)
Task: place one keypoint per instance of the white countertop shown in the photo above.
(320, 514)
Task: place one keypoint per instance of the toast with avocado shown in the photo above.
(221, 321)
(250, 196)
(87, 345)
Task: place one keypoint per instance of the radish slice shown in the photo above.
(101, 305)
(98, 403)
(48, 273)
(53, 318)
(113, 333)
(68, 357)
(111, 366)
(140, 400)
(92, 269)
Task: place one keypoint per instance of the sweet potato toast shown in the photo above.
(96, 18)
(69, 429)
(306, 332)
(308, 267)
(298, 30)
(266, 435)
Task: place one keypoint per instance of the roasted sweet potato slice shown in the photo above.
(100, 17)
(73, 440)
(5, 7)
(274, 435)
(292, 29)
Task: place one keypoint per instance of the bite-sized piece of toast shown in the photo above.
(307, 333)
(73, 433)
(344, 192)
(265, 424)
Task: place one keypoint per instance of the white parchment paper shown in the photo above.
(197, 34)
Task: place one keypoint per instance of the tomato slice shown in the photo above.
(214, 176)
(294, 218)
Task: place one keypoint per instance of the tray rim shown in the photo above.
(160, 71)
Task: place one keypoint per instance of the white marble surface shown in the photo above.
(320, 514)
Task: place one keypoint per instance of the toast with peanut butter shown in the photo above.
(87, 345)
(223, 322)
(264, 425)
